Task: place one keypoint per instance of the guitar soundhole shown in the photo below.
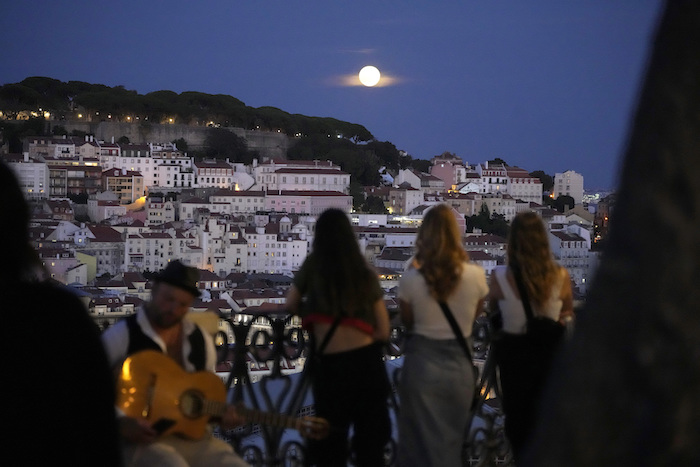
(192, 404)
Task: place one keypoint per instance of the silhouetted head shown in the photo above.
(18, 255)
(334, 234)
(342, 275)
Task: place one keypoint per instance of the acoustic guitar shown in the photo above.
(152, 386)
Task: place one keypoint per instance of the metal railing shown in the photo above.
(275, 340)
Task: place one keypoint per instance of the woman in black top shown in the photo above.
(350, 383)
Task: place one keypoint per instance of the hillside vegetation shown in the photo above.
(349, 145)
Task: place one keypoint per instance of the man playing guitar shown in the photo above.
(159, 325)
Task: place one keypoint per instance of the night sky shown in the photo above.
(543, 84)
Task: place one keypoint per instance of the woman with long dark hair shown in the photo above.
(523, 364)
(338, 295)
(437, 380)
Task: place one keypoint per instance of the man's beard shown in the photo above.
(159, 319)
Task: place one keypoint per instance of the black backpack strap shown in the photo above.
(523, 293)
(198, 353)
(327, 337)
(465, 347)
(456, 329)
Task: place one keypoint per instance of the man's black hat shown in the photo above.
(181, 276)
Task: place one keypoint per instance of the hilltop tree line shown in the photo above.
(101, 101)
(351, 146)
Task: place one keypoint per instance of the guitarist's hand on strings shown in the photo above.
(231, 418)
(137, 430)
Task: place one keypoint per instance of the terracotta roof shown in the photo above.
(266, 308)
(304, 193)
(227, 192)
(206, 276)
(567, 237)
(136, 301)
(323, 171)
(194, 201)
(478, 255)
(396, 254)
(119, 173)
(236, 277)
(154, 235)
(215, 164)
(134, 277)
(105, 233)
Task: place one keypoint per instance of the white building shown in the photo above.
(493, 245)
(189, 207)
(571, 252)
(33, 177)
(279, 174)
(224, 247)
(364, 220)
(494, 177)
(152, 251)
(101, 209)
(271, 252)
(133, 157)
(161, 165)
(52, 147)
(227, 201)
(484, 260)
(449, 168)
(426, 183)
(307, 202)
(103, 243)
(400, 237)
(213, 174)
(569, 183)
(499, 203)
(523, 186)
(159, 210)
(404, 200)
(314, 179)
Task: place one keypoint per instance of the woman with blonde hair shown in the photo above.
(524, 357)
(437, 380)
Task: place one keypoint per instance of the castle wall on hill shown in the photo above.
(267, 144)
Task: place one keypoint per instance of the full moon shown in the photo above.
(369, 76)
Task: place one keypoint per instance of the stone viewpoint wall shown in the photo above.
(266, 143)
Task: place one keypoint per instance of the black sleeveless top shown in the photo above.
(138, 340)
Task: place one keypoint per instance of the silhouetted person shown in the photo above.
(57, 390)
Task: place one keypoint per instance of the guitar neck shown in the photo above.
(218, 409)
(267, 418)
(214, 408)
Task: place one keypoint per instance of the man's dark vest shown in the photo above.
(140, 341)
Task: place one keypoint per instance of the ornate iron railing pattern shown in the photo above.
(276, 339)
